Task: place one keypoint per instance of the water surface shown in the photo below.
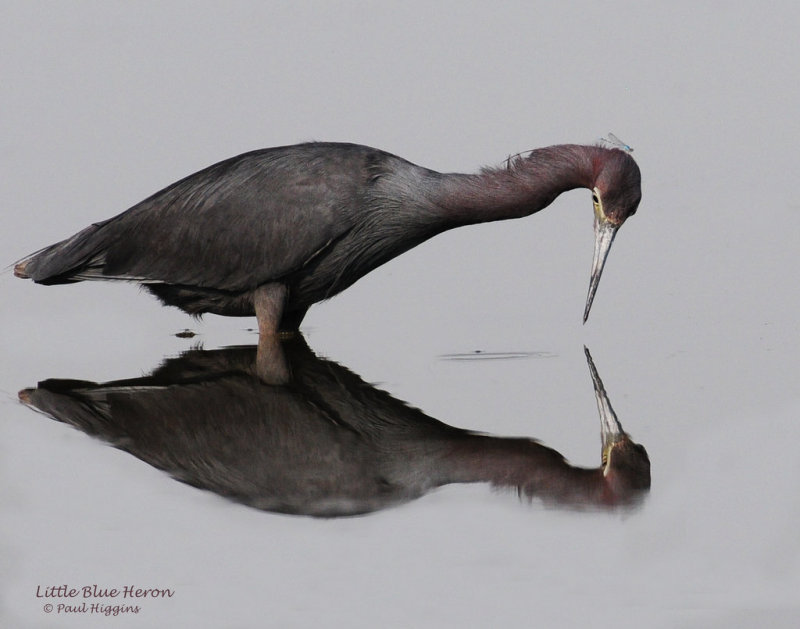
(694, 328)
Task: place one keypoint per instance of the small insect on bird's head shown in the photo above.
(616, 193)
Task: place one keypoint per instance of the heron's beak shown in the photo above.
(604, 232)
(611, 431)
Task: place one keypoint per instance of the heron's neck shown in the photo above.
(500, 461)
(521, 463)
(527, 185)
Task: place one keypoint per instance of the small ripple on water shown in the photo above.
(483, 355)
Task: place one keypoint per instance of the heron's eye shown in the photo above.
(595, 198)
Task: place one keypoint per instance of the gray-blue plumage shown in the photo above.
(312, 219)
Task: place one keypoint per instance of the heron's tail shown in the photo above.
(73, 402)
(80, 257)
(19, 270)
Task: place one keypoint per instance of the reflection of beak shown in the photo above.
(611, 431)
(604, 232)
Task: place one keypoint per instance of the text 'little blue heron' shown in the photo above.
(271, 232)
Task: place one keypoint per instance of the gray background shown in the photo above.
(694, 329)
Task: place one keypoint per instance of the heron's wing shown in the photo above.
(233, 226)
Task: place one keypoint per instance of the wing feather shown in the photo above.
(233, 226)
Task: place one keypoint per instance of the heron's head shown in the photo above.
(626, 466)
(616, 192)
(626, 469)
(626, 474)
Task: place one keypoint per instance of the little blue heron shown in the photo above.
(271, 232)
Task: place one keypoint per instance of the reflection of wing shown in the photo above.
(240, 223)
(264, 446)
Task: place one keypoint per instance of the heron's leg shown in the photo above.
(271, 364)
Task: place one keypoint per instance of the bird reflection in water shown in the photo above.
(327, 444)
